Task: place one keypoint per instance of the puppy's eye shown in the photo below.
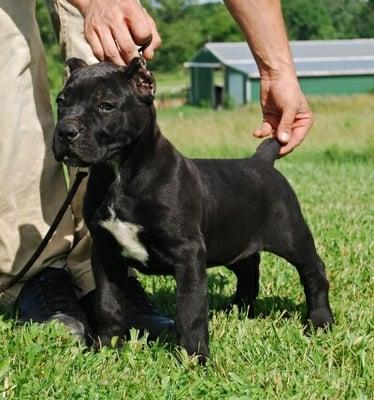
(60, 101)
(106, 106)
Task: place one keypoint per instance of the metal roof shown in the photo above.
(311, 57)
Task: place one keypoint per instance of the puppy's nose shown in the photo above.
(68, 133)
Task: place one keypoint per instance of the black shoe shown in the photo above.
(141, 314)
(50, 295)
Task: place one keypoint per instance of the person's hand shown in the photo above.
(286, 113)
(114, 29)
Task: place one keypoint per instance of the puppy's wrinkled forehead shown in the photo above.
(95, 79)
(103, 78)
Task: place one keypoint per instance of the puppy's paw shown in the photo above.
(203, 359)
(200, 352)
(320, 318)
(105, 340)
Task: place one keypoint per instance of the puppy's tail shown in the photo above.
(268, 150)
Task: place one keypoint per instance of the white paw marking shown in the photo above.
(126, 235)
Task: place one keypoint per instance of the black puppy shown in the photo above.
(150, 207)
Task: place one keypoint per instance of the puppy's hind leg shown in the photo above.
(247, 272)
(291, 239)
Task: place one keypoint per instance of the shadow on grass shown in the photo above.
(271, 305)
(163, 299)
(219, 301)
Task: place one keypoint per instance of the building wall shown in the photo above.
(201, 89)
(255, 89)
(235, 86)
(337, 85)
(201, 86)
(327, 85)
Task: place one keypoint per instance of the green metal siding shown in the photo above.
(255, 87)
(201, 86)
(202, 79)
(327, 85)
(235, 87)
(337, 85)
(238, 93)
(248, 90)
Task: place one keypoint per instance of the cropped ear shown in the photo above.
(75, 63)
(142, 80)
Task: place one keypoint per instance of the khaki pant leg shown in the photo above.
(32, 185)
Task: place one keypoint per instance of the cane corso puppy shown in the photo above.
(149, 207)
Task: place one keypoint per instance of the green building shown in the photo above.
(227, 71)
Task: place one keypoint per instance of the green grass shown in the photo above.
(265, 358)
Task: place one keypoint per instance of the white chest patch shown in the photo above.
(126, 235)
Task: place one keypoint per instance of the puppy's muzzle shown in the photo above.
(68, 130)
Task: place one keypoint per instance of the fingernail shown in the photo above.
(284, 137)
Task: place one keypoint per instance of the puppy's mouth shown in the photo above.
(73, 162)
(108, 152)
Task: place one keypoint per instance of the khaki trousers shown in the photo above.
(32, 185)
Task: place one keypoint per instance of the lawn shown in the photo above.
(268, 357)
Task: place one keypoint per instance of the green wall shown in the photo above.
(325, 85)
(201, 90)
(338, 85)
(235, 86)
(201, 86)
(255, 89)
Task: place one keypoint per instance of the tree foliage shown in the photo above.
(308, 20)
(364, 20)
(185, 25)
(54, 59)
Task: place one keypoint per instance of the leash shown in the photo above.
(78, 179)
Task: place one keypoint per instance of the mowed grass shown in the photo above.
(268, 357)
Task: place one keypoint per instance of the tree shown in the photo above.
(185, 25)
(308, 20)
(364, 21)
(343, 15)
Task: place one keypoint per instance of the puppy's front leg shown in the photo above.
(110, 276)
(192, 306)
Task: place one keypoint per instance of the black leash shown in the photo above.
(78, 179)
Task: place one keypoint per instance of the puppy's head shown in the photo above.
(102, 109)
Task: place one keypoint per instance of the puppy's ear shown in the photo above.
(75, 63)
(143, 82)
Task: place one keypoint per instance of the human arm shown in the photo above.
(114, 29)
(286, 112)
